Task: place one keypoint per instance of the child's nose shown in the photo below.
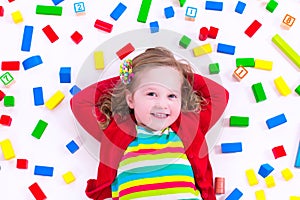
(162, 102)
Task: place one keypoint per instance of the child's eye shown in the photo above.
(172, 96)
(152, 94)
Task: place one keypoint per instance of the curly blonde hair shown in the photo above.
(115, 102)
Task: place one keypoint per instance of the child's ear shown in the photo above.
(129, 99)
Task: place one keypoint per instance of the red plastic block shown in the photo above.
(252, 28)
(10, 65)
(2, 95)
(104, 26)
(49, 32)
(203, 33)
(213, 32)
(76, 37)
(278, 151)
(10, 1)
(37, 192)
(5, 120)
(22, 163)
(1, 11)
(126, 50)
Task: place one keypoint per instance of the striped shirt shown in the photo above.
(155, 166)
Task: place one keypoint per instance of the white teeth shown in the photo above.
(160, 115)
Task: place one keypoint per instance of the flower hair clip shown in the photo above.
(126, 73)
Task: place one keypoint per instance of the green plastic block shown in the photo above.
(271, 6)
(185, 41)
(48, 10)
(245, 62)
(39, 129)
(182, 2)
(259, 92)
(297, 90)
(9, 101)
(239, 121)
(214, 68)
(144, 11)
(6, 78)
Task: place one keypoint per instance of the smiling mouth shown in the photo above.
(160, 115)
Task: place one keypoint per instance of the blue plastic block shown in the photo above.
(231, 147)
(56, 2)
(169, 12)
(154, 27)
(265, 170)
(79, 7)
(65, 75)
(235, 195)
(32, 62)
(191, 12)
(240, 7)
(72, 146)
(225, 48)
(74, 90)
(38, 96)
(276, 121)
(297, 162)
(27, 38)
(43, 170)
(214, 5)
(118, 11)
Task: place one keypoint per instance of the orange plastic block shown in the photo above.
(288, 20)
(240, 73)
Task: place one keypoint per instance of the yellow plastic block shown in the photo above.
(294, 198)
(68, 177)
(263, 64)
(55, 100)
(282, 87)
(252, 180)
(287, 174)
(99, 60)
(201, 50)
(7, 149)
(17, 17)
(270, 182)
(260, 195)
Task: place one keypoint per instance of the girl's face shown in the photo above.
(157, 99)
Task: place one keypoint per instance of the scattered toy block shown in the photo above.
(265, 170)
(297, 90)
(219, 185)
(287, 174)
(56, 2)
(37, 192)
(7, 79)
(245, 62)
(2, 95)
(154, 27)
(7, 149)
(72, 146)
(99, 60)
(240, 73)
(49, 32)
(294, 198)
(9, 101)
(38, 96)
(238, 121)
(278, 151)
(276, 121)
(286, 49)
(251, 177)
(43, 170)
(48, 10)
(22, 163)
(271, 6)
(225, 48)
(297, 162)
(240, 7)
(74, 90)
(76, 37)
(202, 50)
(17, 17)
(144, 11)
(79, 8)
(236, 194)
(27, 38)
(118, 11)
(214, 5)
(282, 87)
(65, 75)
(31, 62)
(260, 195)
(190, 13)
(54, 100)
(5, 120)
(263, 64)
(185, 41)
(104, 26)
(214, 68)
(270, 182)
(231, 147)
(203, 34)
(169, 12)
(213, 32)
(11, 1)
(182, 2)
(125, 51)
(69, 177)
(288, 21)
(259, 92)
(1, 11)
(251, 30)
(39, 129)
(10, 65)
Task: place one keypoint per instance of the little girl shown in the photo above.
(151, 122)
